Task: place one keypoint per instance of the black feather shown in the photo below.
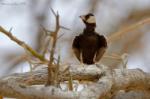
(89, 46)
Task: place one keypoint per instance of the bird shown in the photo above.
(89, 46)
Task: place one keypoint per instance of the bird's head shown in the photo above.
(89, 20)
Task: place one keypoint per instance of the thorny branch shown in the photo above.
(106, 82)
(52, 68)
(23, 44)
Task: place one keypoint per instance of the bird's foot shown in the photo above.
(97, 64)
(81, 64)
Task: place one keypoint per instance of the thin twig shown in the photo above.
(60, 36)
(119, 34)
(70, 82)
(10, 29)
(65, 28)
(53, 12)
(46, 31)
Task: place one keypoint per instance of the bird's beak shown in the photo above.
(82, 17)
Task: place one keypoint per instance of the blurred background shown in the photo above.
(27, 17)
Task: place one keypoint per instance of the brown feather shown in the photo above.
(77, 53)
(99, 54)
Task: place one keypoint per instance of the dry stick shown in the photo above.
(23, 44)
(65, 28)
(57, 72)
(50, 80)
(47, 43)
(45, 50)
(118, 35)
(1, 97)
(70, 83)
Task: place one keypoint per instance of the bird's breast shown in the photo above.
(89, 42)
(89, 46)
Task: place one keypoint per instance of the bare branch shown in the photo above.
(109, 81)
(40, 76)
(65, 28)
(23, 44)
(53, 12)
(21, 91)
(60, 36)
(46, 31)
(70, 82)
(51, 67)
(119, 34)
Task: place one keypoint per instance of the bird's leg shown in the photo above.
(96, 62)
(81, 60)
(97, 65)
(99, 54)
(94, 59)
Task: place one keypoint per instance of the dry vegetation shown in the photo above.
(102, 82)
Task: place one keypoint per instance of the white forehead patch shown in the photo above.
(91, 19)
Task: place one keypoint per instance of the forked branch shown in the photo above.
(51, 67)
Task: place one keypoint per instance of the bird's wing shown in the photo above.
(99, 54)
(76, 47)
(102, 48)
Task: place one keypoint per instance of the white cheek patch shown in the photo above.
(91, 19)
